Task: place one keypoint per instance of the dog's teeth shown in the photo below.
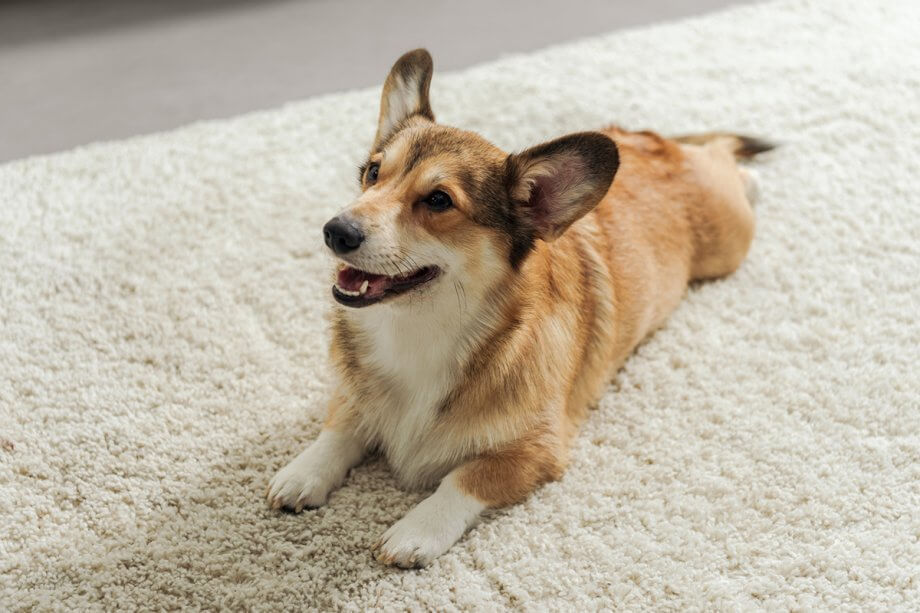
(348, 292)
(363, 287)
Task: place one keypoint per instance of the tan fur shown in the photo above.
(566, 321)
(491, 387)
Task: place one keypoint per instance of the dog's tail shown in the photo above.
(743, 147)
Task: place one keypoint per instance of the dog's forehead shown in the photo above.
(413, 146)
(425, 156)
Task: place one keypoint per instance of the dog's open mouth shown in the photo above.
(357, 288)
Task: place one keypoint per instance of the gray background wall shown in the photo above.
(73, 72)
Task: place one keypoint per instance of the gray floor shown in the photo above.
(78, 72)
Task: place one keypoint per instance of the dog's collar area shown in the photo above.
(357, 288)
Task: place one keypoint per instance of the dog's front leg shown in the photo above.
(320, 468)
(493, 480)
(431, 527)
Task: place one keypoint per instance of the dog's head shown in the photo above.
(440, 203)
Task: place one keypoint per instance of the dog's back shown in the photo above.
(677, 212)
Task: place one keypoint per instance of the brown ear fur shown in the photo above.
(405, 93)
(556, 183)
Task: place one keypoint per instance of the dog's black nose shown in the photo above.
(341, 235)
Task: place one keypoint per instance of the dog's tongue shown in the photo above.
(352, 279)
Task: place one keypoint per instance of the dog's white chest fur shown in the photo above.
(417, 360)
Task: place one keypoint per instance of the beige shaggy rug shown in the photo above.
(162, 350)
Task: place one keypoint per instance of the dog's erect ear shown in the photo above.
(405, 93)
(554, 184)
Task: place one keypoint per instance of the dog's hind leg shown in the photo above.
(722, 215)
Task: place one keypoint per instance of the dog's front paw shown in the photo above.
(299, 485)
(429, 529)
(319, 469)
(414, 541)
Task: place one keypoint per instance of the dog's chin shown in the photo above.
(357, 288)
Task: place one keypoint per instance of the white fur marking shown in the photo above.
(432, 335)
(431, 527)
(751, 181)
(307, 480)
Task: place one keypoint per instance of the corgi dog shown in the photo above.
(483, 300)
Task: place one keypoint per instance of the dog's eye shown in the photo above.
(438, 201)
(372, 172)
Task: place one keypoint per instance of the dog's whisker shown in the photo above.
(411, 260)
(395, 262)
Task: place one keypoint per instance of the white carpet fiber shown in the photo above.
(162, 350)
